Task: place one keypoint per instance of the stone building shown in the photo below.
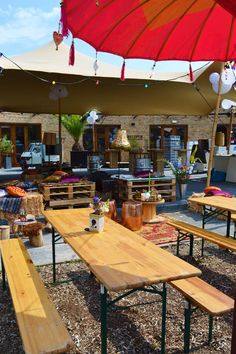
(148, 131)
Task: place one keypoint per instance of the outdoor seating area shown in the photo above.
(117, 177)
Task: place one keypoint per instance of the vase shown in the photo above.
(183, 190)
(96, 222)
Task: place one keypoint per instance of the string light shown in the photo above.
(98, 82)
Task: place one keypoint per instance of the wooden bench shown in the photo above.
(41, 328)
(204, 296)
(186, 230)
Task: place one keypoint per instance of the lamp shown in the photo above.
(56, 94)
(121, 141)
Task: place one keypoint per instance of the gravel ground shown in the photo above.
(137, 329)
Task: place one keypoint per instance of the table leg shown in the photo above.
(103, 318)
(163, 325)
(228, 223)
(53, 255)
(3, 276)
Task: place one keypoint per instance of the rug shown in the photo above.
(159, 233)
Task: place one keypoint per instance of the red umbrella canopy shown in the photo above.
(189, 30)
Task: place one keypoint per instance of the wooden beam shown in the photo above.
(213, 136)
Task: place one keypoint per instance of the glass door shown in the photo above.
(104, 136)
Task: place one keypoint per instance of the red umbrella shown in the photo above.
(189, 30)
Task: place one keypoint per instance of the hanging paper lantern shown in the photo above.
(227, 104)
(224, 88)
(228, 77)
(214, 78)
(58, 91)
(94, 115)
(90, 120)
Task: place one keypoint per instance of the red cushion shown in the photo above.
(209, 189)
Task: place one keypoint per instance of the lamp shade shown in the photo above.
(49, 139)
(121, 141)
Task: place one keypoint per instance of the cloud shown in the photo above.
(27, 24)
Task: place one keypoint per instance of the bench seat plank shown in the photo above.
(222, 241)
(40, 325)
(204, 295)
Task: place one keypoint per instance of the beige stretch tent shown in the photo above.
(20, 91)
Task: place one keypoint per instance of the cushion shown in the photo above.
(52, 179)
(60, 173)
(209, 189)
(221, 193)
(15, 191)
(3, 193)
(70, 179)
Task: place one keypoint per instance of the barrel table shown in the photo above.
(149, 211)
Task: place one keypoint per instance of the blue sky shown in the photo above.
(26, 25)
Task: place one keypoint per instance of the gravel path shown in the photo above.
(137, 329)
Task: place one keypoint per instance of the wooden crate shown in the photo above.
(166, 187)
(67, 194)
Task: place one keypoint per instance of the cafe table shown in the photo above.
(119, 259)
(216, 205)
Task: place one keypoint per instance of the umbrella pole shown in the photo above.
(59, 133)
(213, 136)
(230, 129)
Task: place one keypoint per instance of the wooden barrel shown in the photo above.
(93, 163)
(142, 164)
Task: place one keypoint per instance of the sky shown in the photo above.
(26, 25)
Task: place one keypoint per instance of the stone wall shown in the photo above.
(198, 127)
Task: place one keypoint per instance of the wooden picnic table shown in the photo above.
(216, 205)
(119, 259)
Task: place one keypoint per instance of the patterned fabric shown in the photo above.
(10, 204)
(159, 233)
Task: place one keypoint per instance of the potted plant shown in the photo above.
(75, 125)
(96, 219)
(6, 149)
(182, 174)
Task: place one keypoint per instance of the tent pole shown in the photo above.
(230, 129)
(59, 132)
(213, 136)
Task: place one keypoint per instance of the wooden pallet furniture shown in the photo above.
(204, 296)
(67, 194)
(41, 328)
(165, 186)
(186, 230)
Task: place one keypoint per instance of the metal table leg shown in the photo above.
(228, 223)
(53, 255)
(3, 276)
(103, 318)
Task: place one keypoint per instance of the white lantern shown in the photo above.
(227, 104)
(228, 77)
(94, 115)
(214, 78)
(224, 88)
(90, 120)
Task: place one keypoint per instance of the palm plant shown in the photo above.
(75, 125)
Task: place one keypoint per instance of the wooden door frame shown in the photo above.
(173, 126)
(106, 134)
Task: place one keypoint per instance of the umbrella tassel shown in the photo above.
(122, 74)
(72, 53)
(191, 73)
(63, 20)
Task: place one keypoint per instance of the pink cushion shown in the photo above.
(220, 193)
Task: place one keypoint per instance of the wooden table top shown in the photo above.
(217, 202)
(118, 257)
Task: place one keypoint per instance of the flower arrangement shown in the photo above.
(182, 172)
(100, 207)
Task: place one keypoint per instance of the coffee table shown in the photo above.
(149, 211)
